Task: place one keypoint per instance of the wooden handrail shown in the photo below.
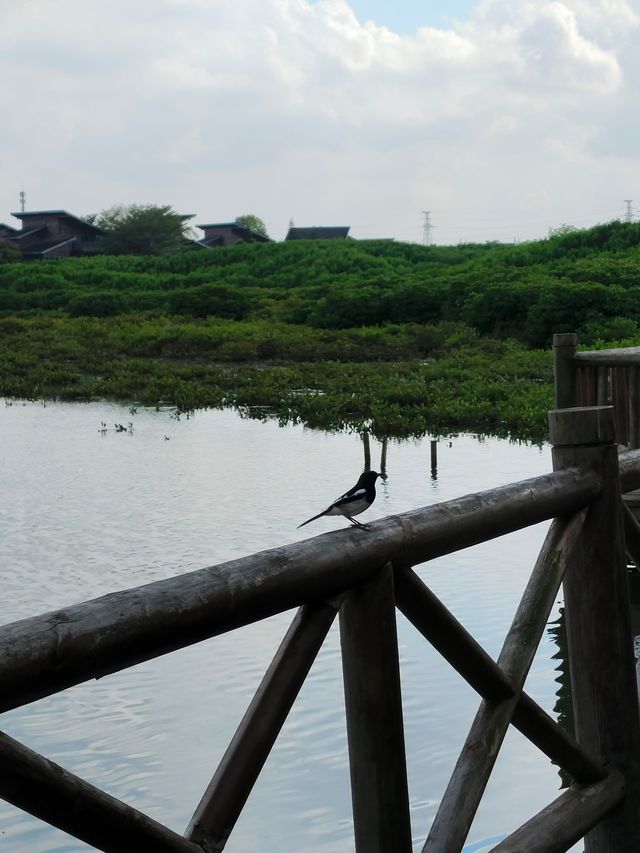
(620, 357)
(47, 653)
(567, 819)
(598, 378)
(50, 792)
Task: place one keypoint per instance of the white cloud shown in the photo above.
(286, 107)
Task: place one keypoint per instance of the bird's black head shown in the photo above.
(368, 478)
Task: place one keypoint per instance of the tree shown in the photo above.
(142, 229)
(561, 230)
(249, 220)
(8, 252)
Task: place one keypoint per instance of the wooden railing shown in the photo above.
(604, 377)
(600, 378)
(364, 575)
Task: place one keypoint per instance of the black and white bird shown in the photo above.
(353, 502)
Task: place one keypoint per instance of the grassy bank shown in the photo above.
(399, 381)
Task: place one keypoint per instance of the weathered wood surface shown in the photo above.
(620, 400)
(565, 370)
(566, 820)
(227, 793)
(629, 465)
(614, 357)
(603, 386)
(631, 534)
(374, 717)
(601, 658)
(633, 405)
(51, 793)
(47, 653)
(473, 768)
(583, 425)
(587, 386)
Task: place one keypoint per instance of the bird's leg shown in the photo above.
(355, 523)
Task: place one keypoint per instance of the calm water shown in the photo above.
(84, 512)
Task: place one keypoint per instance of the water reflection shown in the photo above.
(557, 630)
(384, 448)
(366, 447)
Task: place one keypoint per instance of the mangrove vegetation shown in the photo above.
(399, 338)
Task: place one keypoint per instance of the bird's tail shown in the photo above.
(313, 518)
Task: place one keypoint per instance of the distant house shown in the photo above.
(51, 234)
(318, 232)
(7, 232)
(228, 234)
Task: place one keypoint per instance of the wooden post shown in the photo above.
(621, 403)
(601, 659)
(565, 370)
(366, 444)
(633, 378)
(603, 386)
(383, 456)
(241, 764)
(434, 458)
(374, 717)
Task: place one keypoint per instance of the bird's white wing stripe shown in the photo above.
(360, 493)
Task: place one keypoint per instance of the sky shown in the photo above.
(502, 118)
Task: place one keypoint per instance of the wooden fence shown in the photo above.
(598, 378)
(364, 575)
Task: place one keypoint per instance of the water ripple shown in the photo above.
(83, 514)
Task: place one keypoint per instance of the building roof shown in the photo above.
(232, 224)
(25, 214)
(318, 232)
(238, 228)
(61, 214)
